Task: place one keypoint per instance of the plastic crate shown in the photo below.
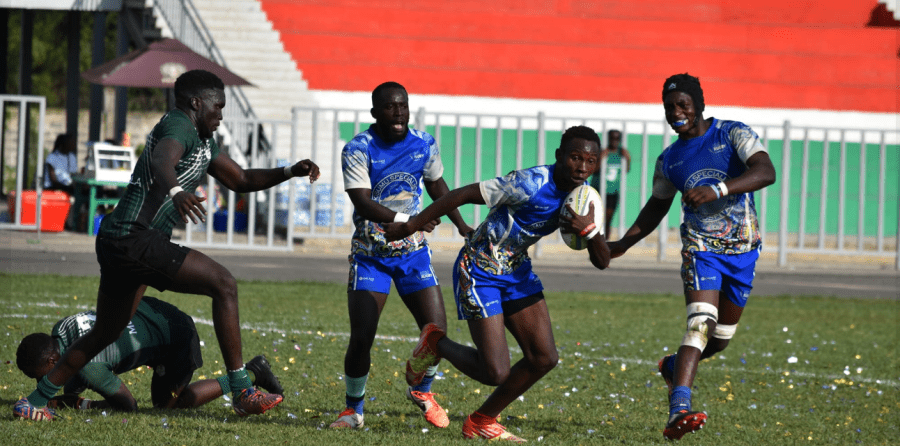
(54, 209)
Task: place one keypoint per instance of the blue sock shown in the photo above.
(679, 400)
(356, 403)
(425, 385)
(356, 392)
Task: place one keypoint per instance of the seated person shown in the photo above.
(159, 336)
(60, 164)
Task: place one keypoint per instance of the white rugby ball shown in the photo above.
(580, 199)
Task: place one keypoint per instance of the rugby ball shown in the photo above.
(580, 199)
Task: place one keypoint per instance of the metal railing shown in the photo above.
(254, 224)
(21, 150)
(183, 19)
(822, 203)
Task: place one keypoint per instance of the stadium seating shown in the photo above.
(758, 53)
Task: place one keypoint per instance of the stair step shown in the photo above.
(249, 53)
(252, 48)
(227, 35)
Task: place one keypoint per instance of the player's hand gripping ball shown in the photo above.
(580, 200)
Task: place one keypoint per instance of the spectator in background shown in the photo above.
(60, 164)
(615, 156)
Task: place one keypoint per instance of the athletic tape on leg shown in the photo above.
(724, 331)
(697, 330)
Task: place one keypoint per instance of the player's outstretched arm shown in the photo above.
(759, 174)
(368, 208)
(437, 189)
(371, 210)
(652, 213)
(241, 180)
(451, 201)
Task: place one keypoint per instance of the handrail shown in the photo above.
(192, 31)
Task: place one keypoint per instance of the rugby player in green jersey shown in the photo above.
(134, 248)
(159, 336)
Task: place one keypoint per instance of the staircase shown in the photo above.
(252, 49)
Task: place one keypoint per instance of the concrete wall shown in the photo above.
(139, 124)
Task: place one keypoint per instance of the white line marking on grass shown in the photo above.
(637, 361)
(31, 316)
(835, 285)
(320, 333)
(769, 370)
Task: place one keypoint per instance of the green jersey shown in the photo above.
(613, 173)
(145, 205)
(146, 340)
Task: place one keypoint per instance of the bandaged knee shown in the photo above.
(698, 314)
(724, 332)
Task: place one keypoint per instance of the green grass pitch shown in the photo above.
(804, 370)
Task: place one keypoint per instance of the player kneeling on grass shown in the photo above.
(716, 165)
(493, 281)
(159, 336)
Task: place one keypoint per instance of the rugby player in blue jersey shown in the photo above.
(386, 170)
(716, 165)
(493, 281)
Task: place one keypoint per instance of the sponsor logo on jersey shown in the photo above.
(416, 156)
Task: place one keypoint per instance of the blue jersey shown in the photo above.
(727, 225)
(525, 206)
(395, 173)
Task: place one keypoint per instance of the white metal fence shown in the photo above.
(24, 104)
(837, 190)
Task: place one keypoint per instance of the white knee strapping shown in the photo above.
(724, 331)
(697, 330)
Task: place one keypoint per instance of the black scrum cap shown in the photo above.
(687, 84)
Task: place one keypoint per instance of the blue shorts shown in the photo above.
(731, 274)
(480, 294)
(410, 273)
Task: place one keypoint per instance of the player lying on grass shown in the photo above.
(716, 165)
(159, 336)
(493, 280)
(134, 247)
(387, 168)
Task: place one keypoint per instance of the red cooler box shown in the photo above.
(54, 209)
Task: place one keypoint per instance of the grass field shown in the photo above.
(800, 371)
